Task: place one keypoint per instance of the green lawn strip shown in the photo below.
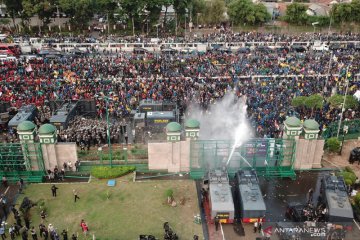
(132, 208)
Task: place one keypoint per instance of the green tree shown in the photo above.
(44, 9)
(215, 11)
(298, 101)
(332, 144)
(167, 4)
(80, 11)
(296, 14)
(246, 12)
(107, 7)
(337, 100)
(199, 11)
(315, 101)
(14, 8)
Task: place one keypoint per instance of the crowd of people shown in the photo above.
(223, 35)
(269, 80)
(24, 230)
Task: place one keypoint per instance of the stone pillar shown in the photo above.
(192, 129)
(173, 132)
(292, 128)
(48, 139)
(311, 128)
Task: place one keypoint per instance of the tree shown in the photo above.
(314, 101)
(342, 12)
(167, 4)
(298, 101)
(80, 11)
(199, 11)
(246, 12)
(332, 144)
(215, 11)
(336, 101)
(107, 7)
(296, 14)
(13, 7)
(43, 8)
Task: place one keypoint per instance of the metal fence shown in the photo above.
(269, 157)
(353, 130)
(21, 160)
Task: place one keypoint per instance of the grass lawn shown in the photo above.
(132, 209)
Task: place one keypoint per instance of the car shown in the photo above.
(355, 155)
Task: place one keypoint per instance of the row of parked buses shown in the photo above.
(203, 47)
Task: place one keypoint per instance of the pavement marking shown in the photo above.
(7, 189)
(356, 224)
(222, 231)
(292, 195)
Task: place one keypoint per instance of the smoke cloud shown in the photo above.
(224, 120)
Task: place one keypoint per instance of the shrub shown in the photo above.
(108, 172)
(169, 193)
(332, 144)
(349, 177)
(348, 169)
(41, 206)
(357, 199)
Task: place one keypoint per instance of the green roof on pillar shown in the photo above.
(26, 126)
(47, 129)
(173, 127)
(293, 122)
(311, 124)
(192, 123)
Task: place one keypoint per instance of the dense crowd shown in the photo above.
(222, 35)
(269, 80)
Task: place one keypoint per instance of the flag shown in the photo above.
(29, 68)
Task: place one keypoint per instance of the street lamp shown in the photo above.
(157, 30)
(345, 131)
(108, 128)
(186, 10)
(314, 24)
(100, 153)
(343, 104)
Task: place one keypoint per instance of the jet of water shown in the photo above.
(242, 133)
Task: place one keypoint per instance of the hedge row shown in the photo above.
(108, 172)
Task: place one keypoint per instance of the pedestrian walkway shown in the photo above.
(213, 234)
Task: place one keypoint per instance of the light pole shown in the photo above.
(100, 153)
(157, 30)
(345, 131)
(186, 10)
(314, 24)
(329, 71)
(108, 128)
(331, 13)
(343, 104)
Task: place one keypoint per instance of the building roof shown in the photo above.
(317, 10)
(293, 122)
(26, 126)
(47, 129)
(311, 124)
(173, 127)
(192, 123)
